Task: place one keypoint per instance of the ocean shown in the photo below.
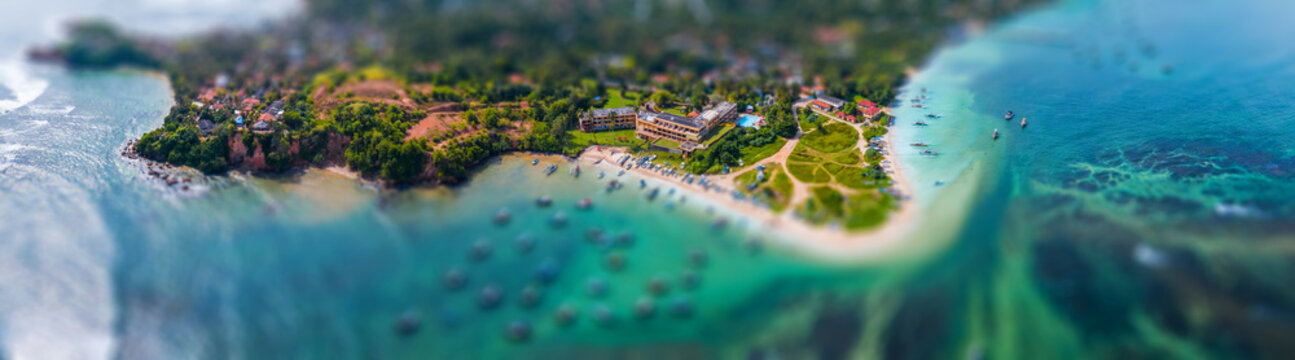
(1144, 212)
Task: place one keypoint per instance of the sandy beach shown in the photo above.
(821, 242)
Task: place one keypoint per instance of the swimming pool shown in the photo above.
(747, 120)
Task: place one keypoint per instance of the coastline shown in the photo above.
(820, 242)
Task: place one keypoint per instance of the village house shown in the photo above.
(868, 110)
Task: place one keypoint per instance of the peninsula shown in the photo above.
(784, 114)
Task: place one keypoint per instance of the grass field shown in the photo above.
(836, 137)
(717, 134)
(751, 155)
(776, 188)
(614, 99)
(667, 143)
(848, 158)
(809, 173)
(807, 123)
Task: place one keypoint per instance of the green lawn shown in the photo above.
(753, 154)
(614, 98)
(847, 158)
(581, 140)
(852, 177)
(676, 111)
(868, 210)
(807, 122)
(836, 137)
(800, 153)
(603, 137)
(776, 188)
(809, 173)
(716, 134)
(667, 143)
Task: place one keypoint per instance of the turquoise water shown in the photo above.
(747, 120)
(1144, 213)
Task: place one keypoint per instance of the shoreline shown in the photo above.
(820, 242)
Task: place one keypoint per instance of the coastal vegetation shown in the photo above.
(345, 84)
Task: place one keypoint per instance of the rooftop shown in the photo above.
(668, 117)
(832, 101)
(626, 110)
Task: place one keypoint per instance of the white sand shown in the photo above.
(820, 242)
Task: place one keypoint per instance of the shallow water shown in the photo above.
(1142, 213)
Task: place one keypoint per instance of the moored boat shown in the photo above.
(995, 134)
(1023, 122)
(1009, 115)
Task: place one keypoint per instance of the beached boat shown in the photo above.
(535, 161)
(549, 170)
(1009, 115)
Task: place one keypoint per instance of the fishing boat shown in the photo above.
(585, 204)
(622, 172)
(995, 134)
(934, 116)
(535, 161)
(930, 153)
(544, 201)
(1023, 122)
(1009, 115)
(919, 144)
(652, 194)
(601, 174)
(549, 170)
(575, 171)
(920, 123)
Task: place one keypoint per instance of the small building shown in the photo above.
(261, 127)
(206, 126)
(868, 110)
(608, 119)
(831, 103)
(275, 108)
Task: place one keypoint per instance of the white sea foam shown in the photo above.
(15, 76)
(55, 284)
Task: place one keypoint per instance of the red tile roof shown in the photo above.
(866, 103)
(871, 111)
(821, 104)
